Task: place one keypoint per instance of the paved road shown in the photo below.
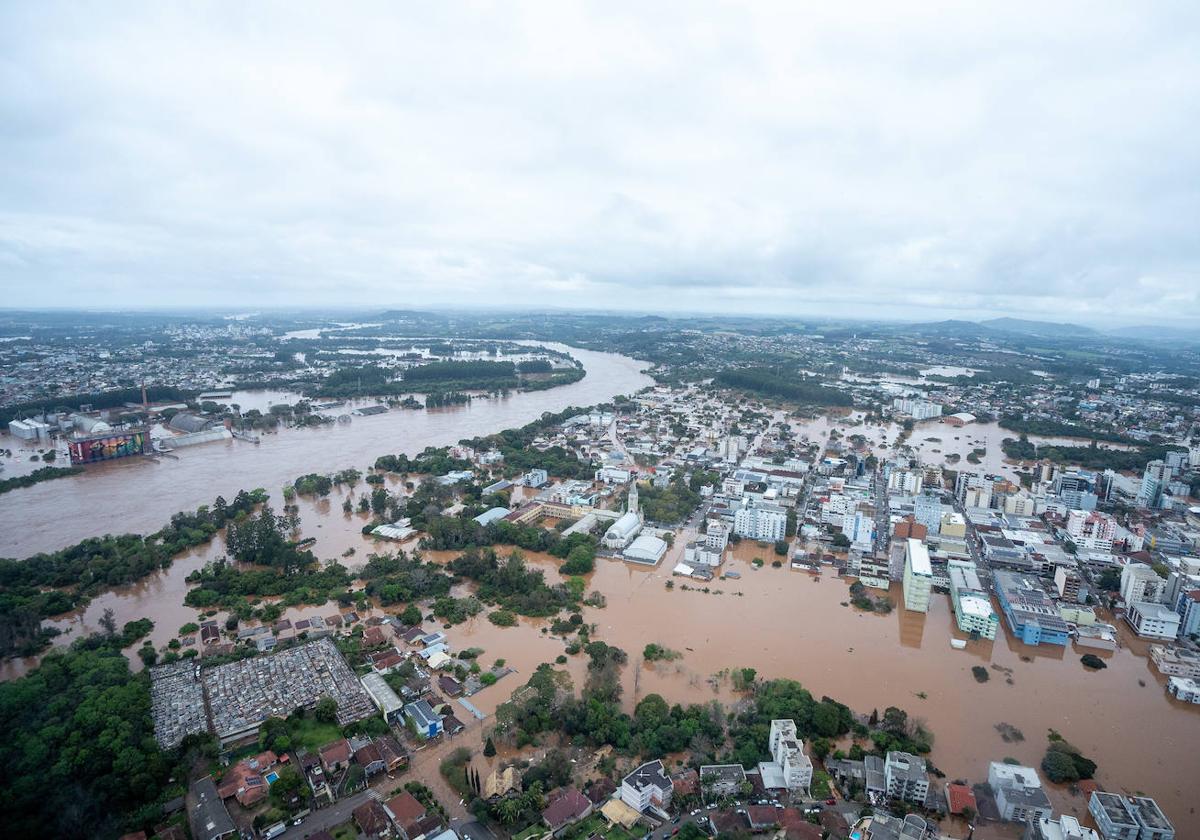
(326, 819)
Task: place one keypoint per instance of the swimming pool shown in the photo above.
(272, 777)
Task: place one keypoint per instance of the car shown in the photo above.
(674, 831)
(831, 801)
(676, 820)
(697, 811)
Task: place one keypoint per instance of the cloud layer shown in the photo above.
(905, 160)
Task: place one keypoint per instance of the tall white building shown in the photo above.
(917, 409)
(1141, 584)
(905, 777)
(1091, 530)
(716, 537)
(760, 523)
(787, 752)
(918, 576)
(927, 509)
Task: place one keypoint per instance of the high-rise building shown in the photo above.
(787, 750)
(760, 523)
(918, 576)
(972, 607)
(1154, 480)
(927, 509)
(1091, 531)
(905, 777)
(1141, 584)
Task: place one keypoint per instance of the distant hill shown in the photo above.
(1026, 327)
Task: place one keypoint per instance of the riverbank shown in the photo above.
(138, 495)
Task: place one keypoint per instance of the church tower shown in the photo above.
(631, 504)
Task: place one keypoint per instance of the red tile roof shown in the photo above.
(405, 808)
(959, 797)
(570, 806)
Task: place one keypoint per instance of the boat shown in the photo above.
(958, 644)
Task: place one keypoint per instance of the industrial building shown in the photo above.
(1031, 615)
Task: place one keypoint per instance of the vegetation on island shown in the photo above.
(37, 476)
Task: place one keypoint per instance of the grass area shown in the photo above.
(312, 734)
(536, 830)
(345, 831)
(820, 785)
(594, 824)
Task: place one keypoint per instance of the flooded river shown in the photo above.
(139, 495)
(783, 623)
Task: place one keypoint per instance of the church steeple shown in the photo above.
(631, 503)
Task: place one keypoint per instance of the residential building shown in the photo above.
(1152, 822)
(1031, 616)
(1018, 792)
(917, 409)
(1187, 607)
(716, 536)
(1175, 661)
(565, 810)
(927, 509)
(1091, 530)
(1114, 816)
(207, 815)
(1064, 828)
(760, 523)
(918, 576)
(425, 720)
(1067, 583)
(1184, 688)
(1152, 621)
(647, 787)
(1077, 490)
(789, 761)
(972, 607)
(718, 780)
(905, 776)
(1154, 481)
(1141, 583)
(613, 475)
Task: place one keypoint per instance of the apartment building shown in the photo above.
(905, 776)
(918, 576)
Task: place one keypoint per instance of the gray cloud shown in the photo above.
(926, 160)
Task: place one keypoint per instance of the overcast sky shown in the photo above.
(889, 159)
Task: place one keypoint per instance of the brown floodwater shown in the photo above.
(782, 622)
(139, 495)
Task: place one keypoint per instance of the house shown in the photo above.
(1018, 792)
(449, 686)
(310, 765)
(374, 637)
(335, 756)
(452, 725)
(373, 821)
(393, 754)
(568, 808)
(413, 635)
(369, 758)
(686, 783)
(762, 817)
(647, 787)
(959, 798)
(404, 810)
(718, 780)
(245, 781)
(207, 815)
(427, 722)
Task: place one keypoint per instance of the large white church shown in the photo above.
(622, 532)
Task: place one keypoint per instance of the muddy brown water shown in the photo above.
(784, 623)
(139, 495)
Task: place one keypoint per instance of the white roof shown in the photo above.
(919, 557)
